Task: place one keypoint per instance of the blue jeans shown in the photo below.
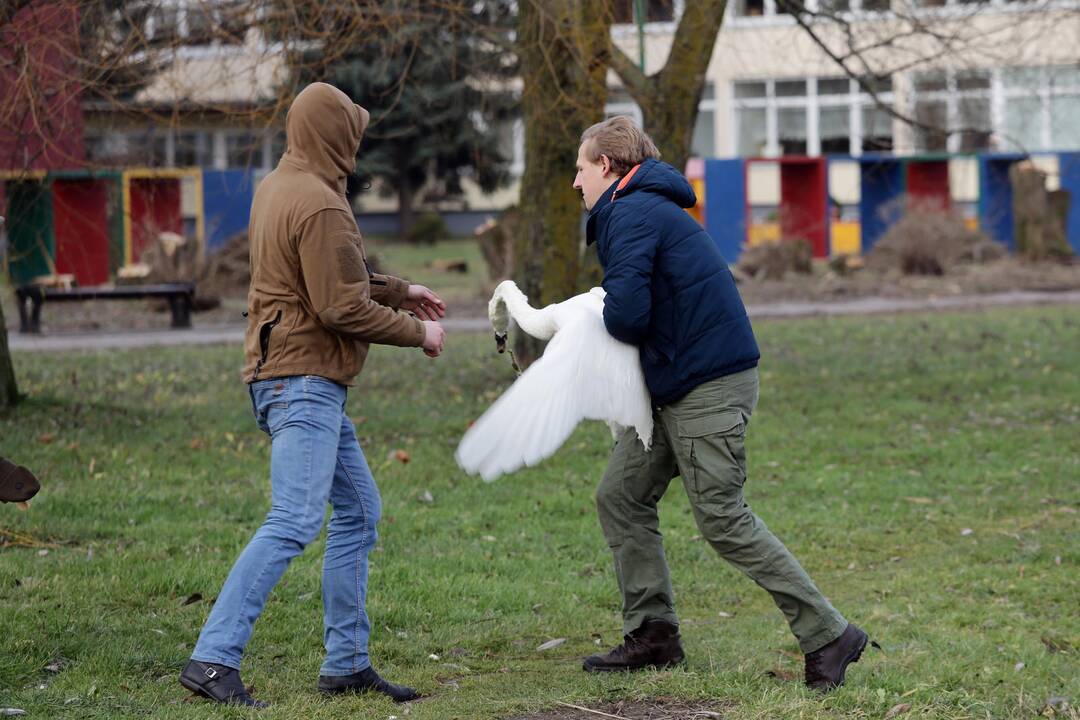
(314, 457)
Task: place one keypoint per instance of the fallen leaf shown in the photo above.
(919, 500)
(196, 443)
(191, 599)
(780, 674)
(427, 497)
(1055, 645)
(725, 614)
(897, 710)
(966, 531)
(24, 506)
(551, 644)
(47, 438)
(42, 552)
(433, 656)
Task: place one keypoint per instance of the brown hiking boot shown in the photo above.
(17, 484)
(825, 668)
(655, 644)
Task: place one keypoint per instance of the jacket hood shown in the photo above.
(323, 129)
(652, 176)
(660, 178)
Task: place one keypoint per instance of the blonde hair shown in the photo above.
(621, 140)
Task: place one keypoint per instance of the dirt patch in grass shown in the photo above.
(652, 709)
(1003, 275)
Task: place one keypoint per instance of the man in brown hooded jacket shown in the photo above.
(313, 308)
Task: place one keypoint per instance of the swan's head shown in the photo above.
(499, 315)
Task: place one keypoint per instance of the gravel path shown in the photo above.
(233, 333)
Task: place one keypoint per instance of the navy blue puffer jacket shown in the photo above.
(669, 291)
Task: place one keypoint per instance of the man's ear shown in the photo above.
(605, 165)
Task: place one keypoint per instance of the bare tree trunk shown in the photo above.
(563, 48)
(9, 392)
(669, 99)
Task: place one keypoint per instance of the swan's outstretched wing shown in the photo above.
(584, 373)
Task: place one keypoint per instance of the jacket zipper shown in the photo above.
(264, 342)
(371, 273)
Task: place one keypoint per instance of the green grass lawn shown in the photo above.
(466, 293)
(925, 469)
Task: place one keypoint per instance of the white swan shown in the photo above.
(583, 374)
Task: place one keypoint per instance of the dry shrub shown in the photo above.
(927, 239)
(228, 270)
(773, 260)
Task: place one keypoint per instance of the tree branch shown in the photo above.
(630, 74)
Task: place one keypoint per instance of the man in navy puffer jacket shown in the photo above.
(670, 293)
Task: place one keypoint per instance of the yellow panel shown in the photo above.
(846, 238)
(763, 232)
(971, 223)
(699, 189)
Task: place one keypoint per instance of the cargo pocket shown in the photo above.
(715, 456)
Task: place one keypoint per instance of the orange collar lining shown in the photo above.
(624, 181)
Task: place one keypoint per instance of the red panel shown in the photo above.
(929, 180)
(804, 202)
(155, 208)
(81, 223)
(41, 120)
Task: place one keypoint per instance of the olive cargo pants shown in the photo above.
(700, 437)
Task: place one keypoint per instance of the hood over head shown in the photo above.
(323, 129)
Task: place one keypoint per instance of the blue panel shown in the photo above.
(995, 197)
(725, 205)
(881, 182)
(226, 203)
(1069, 166)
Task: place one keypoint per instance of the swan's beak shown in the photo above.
(500, 342)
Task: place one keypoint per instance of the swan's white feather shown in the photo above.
(584, 374)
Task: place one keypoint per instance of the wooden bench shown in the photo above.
(181, 298)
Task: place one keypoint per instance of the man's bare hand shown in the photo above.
(434, 337)
(425, 303)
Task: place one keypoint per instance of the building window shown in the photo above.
(780, 8)
(192, 148)
(625, 11)
(953, 110)
(1041, 108)
(811, 116)
(877, 133)
(242, 150)
(703, 141)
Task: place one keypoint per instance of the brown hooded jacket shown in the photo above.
(313, 305)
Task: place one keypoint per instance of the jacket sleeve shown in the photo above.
(386, 289)
(336, 278)
(628, 278)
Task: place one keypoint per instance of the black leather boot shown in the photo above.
(825, 668)
(655, 644)
(218, 683)
(367, 680)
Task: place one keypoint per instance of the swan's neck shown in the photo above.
(508, 299)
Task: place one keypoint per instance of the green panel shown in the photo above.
(31, 243)
(116, 225)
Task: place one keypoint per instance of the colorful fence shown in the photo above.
(801, 203)
(89, 223)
